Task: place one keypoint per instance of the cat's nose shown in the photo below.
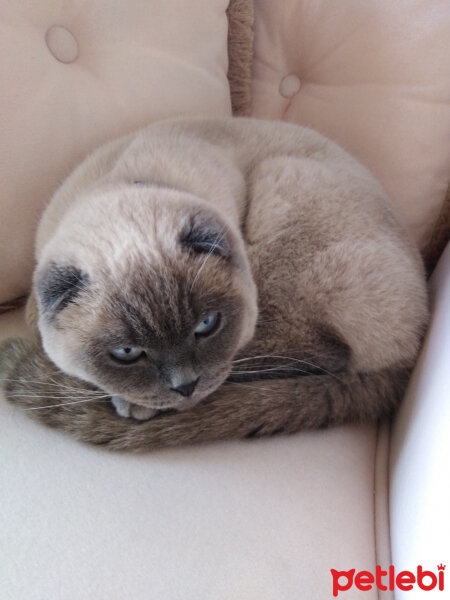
(186, 388)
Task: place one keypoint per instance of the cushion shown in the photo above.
(374, 76)
(261, 519)
(76, 74)
(420, 491)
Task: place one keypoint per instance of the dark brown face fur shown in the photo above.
(159, 313)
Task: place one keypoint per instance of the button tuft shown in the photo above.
(62, 44)
(289, 86)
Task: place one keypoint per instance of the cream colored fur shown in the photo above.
(211, 160)
(324, 274)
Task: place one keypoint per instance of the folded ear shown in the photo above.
(206, 235)
(60, 285)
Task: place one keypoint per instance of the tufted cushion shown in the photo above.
(74, 74)
(374, 76)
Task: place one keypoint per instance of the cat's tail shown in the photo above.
(253, 409)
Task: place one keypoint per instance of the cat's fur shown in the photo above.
(157, 230)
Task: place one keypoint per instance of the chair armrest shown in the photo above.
(420, 450)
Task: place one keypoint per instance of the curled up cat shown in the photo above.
(205, 279)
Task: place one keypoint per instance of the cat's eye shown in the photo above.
(208, 326)
(127, 355)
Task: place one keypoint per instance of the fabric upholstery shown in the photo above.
(374, 76)
(420, 490)
(262, 519)
(75, 74)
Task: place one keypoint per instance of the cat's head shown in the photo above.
(147, 294)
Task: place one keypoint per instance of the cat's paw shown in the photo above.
(132, 411)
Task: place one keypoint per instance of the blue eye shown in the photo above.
(208, 325)
(127, 355)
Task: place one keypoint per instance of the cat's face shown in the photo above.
(148, 297)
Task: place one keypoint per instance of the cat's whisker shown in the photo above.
(63, 404)
(266, 356)
(270, 370)
(268, 367)
(264, 363)
(279, 356)
(35, 381)
(49, 397)
(80, 390)
(291, 359)
(64, 388)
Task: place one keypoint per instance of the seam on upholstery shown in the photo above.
(381, 502)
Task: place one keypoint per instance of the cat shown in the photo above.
(203, 279)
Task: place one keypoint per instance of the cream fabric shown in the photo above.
(263, 519)
(74, 74)
(374, 76)
(420, 482)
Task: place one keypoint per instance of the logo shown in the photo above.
(388, 580)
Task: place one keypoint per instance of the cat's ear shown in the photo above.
(60, 285)
(205, 235)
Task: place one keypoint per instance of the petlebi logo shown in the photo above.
(388, 579)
